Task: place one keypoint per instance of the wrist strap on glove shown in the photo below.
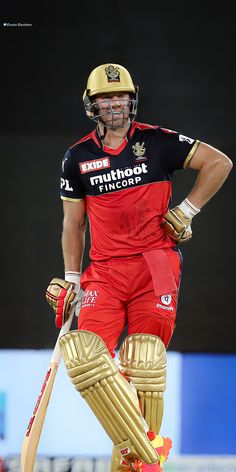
(188, 208)
(73, 277)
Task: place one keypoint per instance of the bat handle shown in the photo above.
(56, 355)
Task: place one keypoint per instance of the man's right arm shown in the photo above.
(62, 294)
(73, 234)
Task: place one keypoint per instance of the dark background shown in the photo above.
(183, 60)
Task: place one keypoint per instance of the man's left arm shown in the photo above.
(213, 168)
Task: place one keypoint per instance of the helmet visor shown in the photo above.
(112, 113)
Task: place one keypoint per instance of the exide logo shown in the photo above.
(90, 166)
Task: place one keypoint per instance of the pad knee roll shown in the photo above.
(143, 361)
(112, 399)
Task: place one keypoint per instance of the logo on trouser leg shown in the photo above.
(89, 298)
(166, 301)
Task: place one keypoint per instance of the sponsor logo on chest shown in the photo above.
(119, 178)
(96, 164)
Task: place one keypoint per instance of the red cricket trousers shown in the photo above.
(138, 291)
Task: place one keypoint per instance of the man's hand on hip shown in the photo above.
(177, 221)
(177, 225)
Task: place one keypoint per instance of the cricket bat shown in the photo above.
(34, 429)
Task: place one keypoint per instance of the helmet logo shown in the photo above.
(113, 73)
(139, 151)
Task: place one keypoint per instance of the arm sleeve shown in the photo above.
(177, 149)
(71, 188)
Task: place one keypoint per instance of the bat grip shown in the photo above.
(56, 355)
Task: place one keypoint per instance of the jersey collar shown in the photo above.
(98, 140)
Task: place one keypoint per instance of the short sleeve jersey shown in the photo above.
(127, 190)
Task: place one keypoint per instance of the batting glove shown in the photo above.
(61, 296)
(177, 221)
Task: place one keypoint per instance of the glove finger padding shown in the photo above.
(177, 225)
(60, 295)
(186, 235)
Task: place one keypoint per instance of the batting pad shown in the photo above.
(143, 361)
(110, 396)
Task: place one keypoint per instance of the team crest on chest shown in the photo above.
(139, 151)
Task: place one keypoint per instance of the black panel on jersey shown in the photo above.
(150, 154)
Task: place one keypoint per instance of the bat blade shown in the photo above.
(34, 429)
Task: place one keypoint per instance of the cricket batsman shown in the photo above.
(118, 179)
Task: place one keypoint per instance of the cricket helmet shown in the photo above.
(108, 78)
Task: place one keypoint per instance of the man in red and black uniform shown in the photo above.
(119, 177)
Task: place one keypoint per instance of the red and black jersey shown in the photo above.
(128, 189)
